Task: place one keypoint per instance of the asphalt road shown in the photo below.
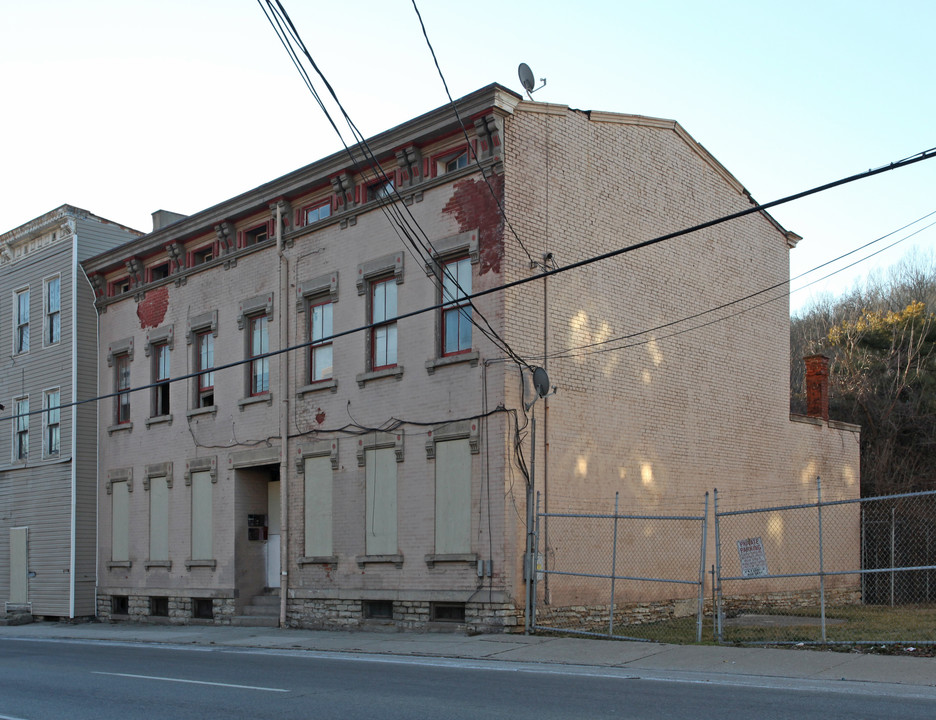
(46, 680)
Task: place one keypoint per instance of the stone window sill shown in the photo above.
(395, 372)
(363, 560)
(167, 564)
(319, 560)
(122, 427)
(159, 420)
(321, 386)
(471, 558)
(189, 564)
(255, 400)
(118, 564)
(209, 410)
(468, 357)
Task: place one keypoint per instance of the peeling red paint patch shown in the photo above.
(152, 308)
(474, 208)
(319, 416)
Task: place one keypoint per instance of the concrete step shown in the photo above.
(263, 600)
(255, 621)
(261, 610)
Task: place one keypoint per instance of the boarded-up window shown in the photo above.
(120, 529)
(159, 519)
(201, 516)
(318, 507)
(452, 497)
(381, 515)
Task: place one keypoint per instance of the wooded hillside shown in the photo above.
(881, 338)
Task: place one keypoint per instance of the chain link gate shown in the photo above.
(624, 576)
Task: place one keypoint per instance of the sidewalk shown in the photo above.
(694, 663)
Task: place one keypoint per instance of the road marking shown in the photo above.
(190, 682)
(9, 717)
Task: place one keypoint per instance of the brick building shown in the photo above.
(371, 475)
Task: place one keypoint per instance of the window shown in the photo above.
(456, 313)
(21, 322)
(157, 272)
(159, 606)
(381, 503)
(383, 314)
(259, 344)
(53, 310)
(53, 415)
(447, 612)
(202, 255)
(378, 609)
(256, 235)
(161, 377)
(320, 354)
(202, 548)
(451, 164)
(452, 497)
(120, 521)
(318, 506)
(21, 429)
(159, 519)
(317, 212)
(204, 362)
(118, 287)
(380, 189)
(122, 383)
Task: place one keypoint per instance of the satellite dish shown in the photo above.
(526, 77)
(541, 382)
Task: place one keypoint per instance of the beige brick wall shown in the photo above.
(670, 416)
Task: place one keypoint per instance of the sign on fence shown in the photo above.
(752, 556)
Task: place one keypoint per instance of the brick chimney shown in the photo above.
(817, 386)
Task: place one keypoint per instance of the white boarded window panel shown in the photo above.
(120, 531)
(318, 507)
(159, 519)
(381, 516)
(201, 516)
(453, 497)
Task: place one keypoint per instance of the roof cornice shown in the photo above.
(438, 122)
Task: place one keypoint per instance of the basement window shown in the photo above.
(378, 609)
(202, 608)
(159, 606)
(447, 612)
(120, 605)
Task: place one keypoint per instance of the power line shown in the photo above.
(736, 314)
(391, 209)
(500, 207)
(925, 155)
(572, 351)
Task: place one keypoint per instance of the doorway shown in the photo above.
(19, 566)
(273, 538)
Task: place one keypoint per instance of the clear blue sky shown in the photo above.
(124, 108)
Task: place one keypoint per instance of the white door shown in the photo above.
(273, 541)
(19, 566)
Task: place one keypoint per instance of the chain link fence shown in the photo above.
(620, 575)
(859, 571)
